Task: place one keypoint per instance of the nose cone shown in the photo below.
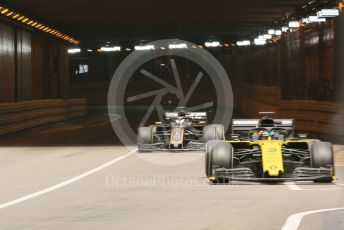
(273, 171)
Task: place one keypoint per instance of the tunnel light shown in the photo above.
(243, 43)
(89, 50)
(316, 19)
(146, 47)
(127, 49)
(278, 32)
(15, 16)
(294, 24)
(74, 50)
(271, 32)
(328, 13)
(259, 42)
(4, 11)
(267, 36)
(212, 44)
(177, 46)
(110, 49)
(285, 28)
(313, 19)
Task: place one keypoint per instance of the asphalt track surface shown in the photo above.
(112, 187)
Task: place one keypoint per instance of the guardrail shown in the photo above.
(23, 115)
(323, 119)
(326, 119)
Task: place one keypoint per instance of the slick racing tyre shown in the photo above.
(208, 161)
(322, 156)
(213, 132)
(222, 155)
(144, 136)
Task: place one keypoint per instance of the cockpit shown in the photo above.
(266, 133)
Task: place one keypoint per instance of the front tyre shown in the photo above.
(208, 159)
(222, 156)
(144, 137)
(219, 155)
(322, 157)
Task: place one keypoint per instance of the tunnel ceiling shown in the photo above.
(101, 20)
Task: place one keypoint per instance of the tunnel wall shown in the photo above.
(32, 65)
(296, 78)
(301, 64)
(18, 116)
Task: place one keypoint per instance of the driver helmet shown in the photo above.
(263, 135)
(272, 133)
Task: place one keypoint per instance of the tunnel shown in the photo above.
(95, 94)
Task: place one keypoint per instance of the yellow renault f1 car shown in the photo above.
(268, 152)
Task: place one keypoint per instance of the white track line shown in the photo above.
(321, 189)
(67, 182)
(294, 220)
(338, 183)
(293, 186)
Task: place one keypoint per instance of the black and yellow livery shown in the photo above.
(179, 130)
(268, 152)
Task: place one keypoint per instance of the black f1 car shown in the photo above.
(269, 151)
(179, 130)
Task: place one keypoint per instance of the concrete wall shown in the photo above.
(32, 65)
(301, 64)
(339, 58)
(300, 77)
(7, 64)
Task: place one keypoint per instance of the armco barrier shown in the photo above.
(322, 118)
(19, 116)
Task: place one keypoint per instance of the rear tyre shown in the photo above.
(322, 156)
(144, 136)
(213, 132)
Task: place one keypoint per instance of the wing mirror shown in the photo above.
(234, 136)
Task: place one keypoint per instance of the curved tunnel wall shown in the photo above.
(32, 65)
(296, 78)
(34, 77)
